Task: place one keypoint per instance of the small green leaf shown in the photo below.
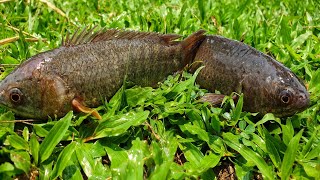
(137, 96)
(266, 117)
(312, 168)
(6, 167)
(288, 132)
(273, 151)
(119, 124)
(290, 155)
(34, 147)
(25, 134)
(40, 131)
(21, 160)
(6, 126)
(54, 137)
(63, 160)
(18, 142)
(237, 111)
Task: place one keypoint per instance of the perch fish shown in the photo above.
(267, 85)
(90, 67)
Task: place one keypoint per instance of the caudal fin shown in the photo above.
(191, 44)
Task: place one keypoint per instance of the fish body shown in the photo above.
(90, 68)
(267, 85)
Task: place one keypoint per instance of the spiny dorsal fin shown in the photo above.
(89, 35)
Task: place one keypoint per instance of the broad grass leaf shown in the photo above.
(135, 162)
(34, 148)
(21, 160)
(266, 117)
(214, 142)
(137, 96)
(18, 142)
(117, 157)
(314, 153)
(237, 111)
(6, 126)
(54, 137)
(296, 43)
(63, 160)
(163, 155)
(312, 168)
(45, 170)
(101, 171)
(287, 132)
(161, 171)
(193, 156)
(233, 141)
(308, 147)
(6, 167)
(119, 124)
(290, 155)
(272, 150)
(115, 103)
(72, 172)
(40, 131)
(85, 159)
(197, 163)
(184, 85)
(25, 134)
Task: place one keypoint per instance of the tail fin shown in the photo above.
(191, 44)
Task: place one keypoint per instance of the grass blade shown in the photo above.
(290, 155)
(54, 137)
(63, 160)
(232, 141)
(34, 148)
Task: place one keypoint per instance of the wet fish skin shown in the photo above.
(267, 85)
(91, 68)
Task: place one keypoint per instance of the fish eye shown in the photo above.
(15, 95)
(285, 96)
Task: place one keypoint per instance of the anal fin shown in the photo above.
(76, 104)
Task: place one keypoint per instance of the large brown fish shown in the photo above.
(267, 85)
(90, 67)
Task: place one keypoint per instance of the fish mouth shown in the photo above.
(303, 101)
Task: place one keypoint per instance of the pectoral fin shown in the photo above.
(212, 98)
(76, 104)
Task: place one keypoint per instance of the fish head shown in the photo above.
(32, 94)
(278, 91)
(290, 94)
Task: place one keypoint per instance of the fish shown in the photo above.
(232, 66)
(90, 67)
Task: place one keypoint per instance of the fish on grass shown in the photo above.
(90, 67)
(267, 85)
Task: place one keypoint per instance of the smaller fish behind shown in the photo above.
(90, 67)
(267, 85)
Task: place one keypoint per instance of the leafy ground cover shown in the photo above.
(165, 133)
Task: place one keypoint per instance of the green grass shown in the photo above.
(165, 133)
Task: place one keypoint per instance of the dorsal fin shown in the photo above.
(89, 35)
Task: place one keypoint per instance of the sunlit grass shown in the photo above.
(165, 133)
